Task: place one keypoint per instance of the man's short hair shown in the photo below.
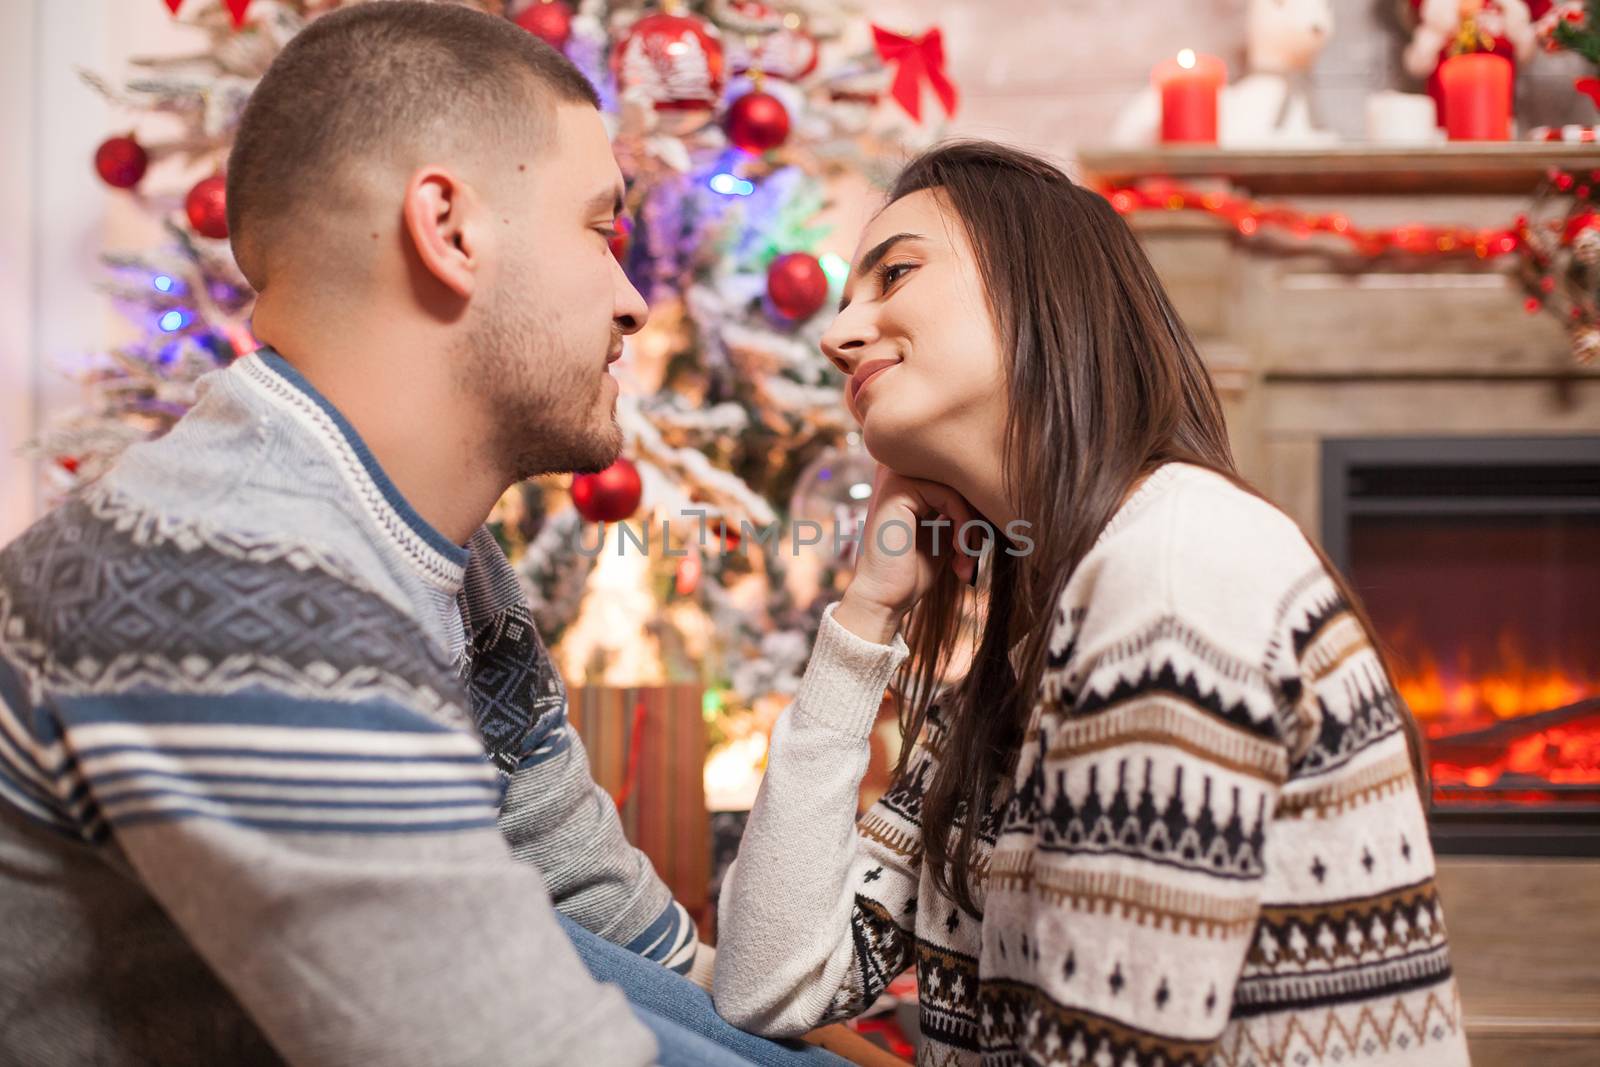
(374, 82)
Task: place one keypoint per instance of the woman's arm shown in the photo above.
(811, 914)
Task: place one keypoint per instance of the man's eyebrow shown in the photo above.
(875, 256)
(606, 198)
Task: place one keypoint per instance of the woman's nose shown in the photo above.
(848, 336)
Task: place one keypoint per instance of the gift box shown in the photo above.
(647, 748)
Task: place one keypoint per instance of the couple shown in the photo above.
(285, 773)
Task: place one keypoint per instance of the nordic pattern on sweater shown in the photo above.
(266, 740)
(1211, 850)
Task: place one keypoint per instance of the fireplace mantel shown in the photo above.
(1463, 169)
(1308, 344)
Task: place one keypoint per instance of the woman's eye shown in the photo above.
(894, 272)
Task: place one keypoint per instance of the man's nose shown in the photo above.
(631, 312)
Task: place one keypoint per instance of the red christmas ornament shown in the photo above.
(787, 54)
(619, 243)
(548, 20)
(610, 496)
(687, 580)
(236, 10)
(675, 60)
(723, 535)
(173, 5)
(68, 463)
(757, 122)
(207, 207)
(121, 162)
(797, 285)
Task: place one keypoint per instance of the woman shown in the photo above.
(1171, 813)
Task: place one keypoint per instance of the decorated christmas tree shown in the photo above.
(706, 553)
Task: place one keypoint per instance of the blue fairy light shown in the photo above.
(731, 185)
(163, 283)
(173, 321)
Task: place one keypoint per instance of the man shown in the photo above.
(272, 741)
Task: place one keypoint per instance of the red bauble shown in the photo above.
(757, 122)
(797, 285)
(610, 496)
(619, 243)
(207, 207)
(675, 60)
(121, 162)
(548, 20)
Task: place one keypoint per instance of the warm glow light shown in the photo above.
(1186, 59)
(1472, 696)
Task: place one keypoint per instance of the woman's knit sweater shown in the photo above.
(1212, 850)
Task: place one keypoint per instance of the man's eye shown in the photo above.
(610, 233)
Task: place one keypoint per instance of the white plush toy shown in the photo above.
(1269, 106)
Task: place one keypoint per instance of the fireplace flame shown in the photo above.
(1470, 713)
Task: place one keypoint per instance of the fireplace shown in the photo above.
(1479, 561)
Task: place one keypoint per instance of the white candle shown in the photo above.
(1402, 118)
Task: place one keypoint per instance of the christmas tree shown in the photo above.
(706, 553)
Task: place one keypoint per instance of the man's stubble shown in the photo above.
(542, 398)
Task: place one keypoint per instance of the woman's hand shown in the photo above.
(902, 552)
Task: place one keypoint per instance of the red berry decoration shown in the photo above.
(207, 207)
(121, 162)
(610, 496)
(757, 122)
(797, 285)
(674, 60)
(548, 20)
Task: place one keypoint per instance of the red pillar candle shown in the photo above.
(1477, 96)
(1189, 87)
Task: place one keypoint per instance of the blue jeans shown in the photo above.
(688, 1029)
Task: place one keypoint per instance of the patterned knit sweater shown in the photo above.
(1211, 850)
(270, 750)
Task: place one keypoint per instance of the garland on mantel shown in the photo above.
(1558, 250)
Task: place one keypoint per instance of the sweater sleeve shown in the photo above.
(338, 866)
(816, 914)
(556, 817)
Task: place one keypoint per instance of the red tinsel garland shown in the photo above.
(1558, 256)
(1253, 218)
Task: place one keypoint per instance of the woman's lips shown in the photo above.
(868, 372)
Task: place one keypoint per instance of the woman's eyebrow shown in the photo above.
(875, 256)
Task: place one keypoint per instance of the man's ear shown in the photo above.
(439, 218)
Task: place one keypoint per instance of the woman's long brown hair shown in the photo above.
(1104, 385)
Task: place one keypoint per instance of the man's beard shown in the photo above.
(542, 417)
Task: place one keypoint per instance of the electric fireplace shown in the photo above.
(1479, 561)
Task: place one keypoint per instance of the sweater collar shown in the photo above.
(440, 561)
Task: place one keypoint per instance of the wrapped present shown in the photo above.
(647, 748)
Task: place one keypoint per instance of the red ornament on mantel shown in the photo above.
(121, 162)
(757, 122)
(797, 285)
(207, 207)
(548, 20)
(610, 496)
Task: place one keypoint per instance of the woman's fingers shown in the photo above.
(952, 506)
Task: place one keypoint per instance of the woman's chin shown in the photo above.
(897, 448)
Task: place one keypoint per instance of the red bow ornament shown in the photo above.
(236, 10)
(1589, 87)
(919, 59)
